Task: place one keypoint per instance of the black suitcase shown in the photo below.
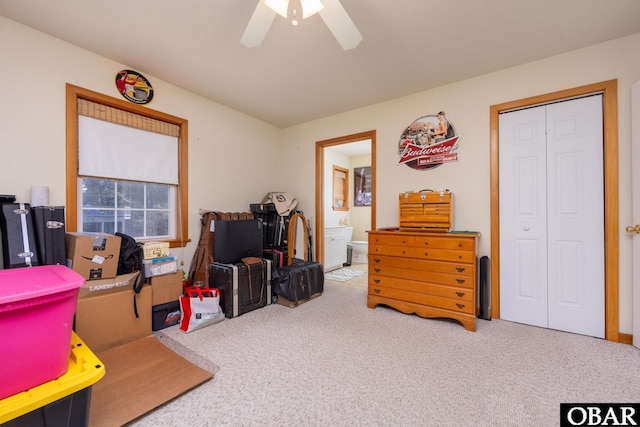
(298, 282)
(236, 239)
(18, 238)
(50, 234)
(278, 256)
(241, 290)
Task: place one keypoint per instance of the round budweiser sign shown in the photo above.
(428, 141)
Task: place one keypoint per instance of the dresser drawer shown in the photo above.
(445, 243)
(401, 251)
(417, 214)
(457, 280)
(462, 294)
(459, 268)
(424, 299)
(445, 255)
(391, 239)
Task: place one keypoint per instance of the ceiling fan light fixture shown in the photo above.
(310, 7)
(280, 7)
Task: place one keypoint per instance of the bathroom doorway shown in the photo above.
(350, 145)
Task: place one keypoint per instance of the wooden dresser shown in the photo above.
(429, 274)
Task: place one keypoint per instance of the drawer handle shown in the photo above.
(459, 245)
(426, 254)
(460, 269)
(377, 291)
(460, 305)
(403, 253)
(376, 280)
(426, 242)
(460, 294)
(376, 259)
(461, 281)
(459, 256)
(377, 270)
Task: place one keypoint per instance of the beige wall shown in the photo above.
(227, 148)
(467, 106)
(230, 153)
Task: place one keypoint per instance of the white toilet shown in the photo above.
(359, 248)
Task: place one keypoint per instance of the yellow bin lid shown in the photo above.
(85, 369)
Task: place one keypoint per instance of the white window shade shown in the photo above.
(109, 150)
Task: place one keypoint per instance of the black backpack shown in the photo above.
(130, 261)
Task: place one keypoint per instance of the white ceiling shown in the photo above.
(301, 73)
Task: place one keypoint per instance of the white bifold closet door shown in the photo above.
(552, 216)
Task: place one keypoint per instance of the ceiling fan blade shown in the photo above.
(340, 24)
(258, 25)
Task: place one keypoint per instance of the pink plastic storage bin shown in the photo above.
(37, 305)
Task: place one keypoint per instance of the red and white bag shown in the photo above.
(199, 307)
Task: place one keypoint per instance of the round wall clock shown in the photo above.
(134, 87)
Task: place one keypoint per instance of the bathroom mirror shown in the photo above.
(340, 194)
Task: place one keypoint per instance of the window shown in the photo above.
(140, 209)
(126, 169)
(340, 189)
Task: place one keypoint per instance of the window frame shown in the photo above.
(73, 93)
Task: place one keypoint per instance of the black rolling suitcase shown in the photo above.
(243, 287)
(18, 238)
(298, 282)
(50, 234)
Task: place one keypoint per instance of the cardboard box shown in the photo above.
(107, 320)
(106, 286)
(93, 255)
(166, 288)
(152, 250)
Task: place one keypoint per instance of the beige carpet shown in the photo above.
(334, 362)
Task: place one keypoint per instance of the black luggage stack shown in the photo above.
(275, 228)
(31, 236)
(243, 287)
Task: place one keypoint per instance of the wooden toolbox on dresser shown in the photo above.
(426, 210)
(429, 274)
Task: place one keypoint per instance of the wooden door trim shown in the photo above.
(609, 91)
(320, 146)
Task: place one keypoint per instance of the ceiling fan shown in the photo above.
(331, 12)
